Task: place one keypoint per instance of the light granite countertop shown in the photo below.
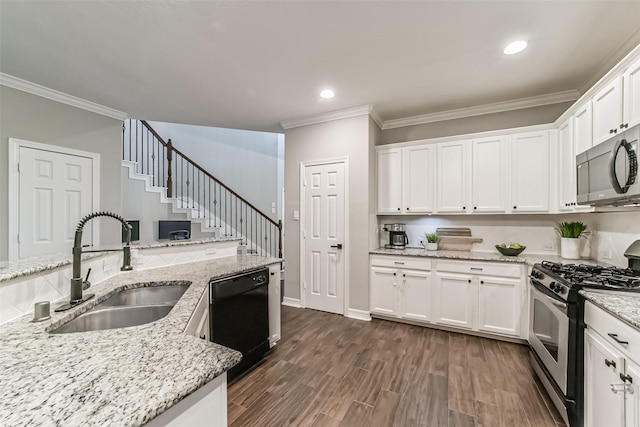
(24, 267)
(122, 377)
(496, 256)
(624, 306)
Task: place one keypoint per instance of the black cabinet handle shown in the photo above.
(203, 337)
(618, 340)
(610, 130)
(338, 246)
(609, 363)
(626, 378)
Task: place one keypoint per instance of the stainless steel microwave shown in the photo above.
(607, 174)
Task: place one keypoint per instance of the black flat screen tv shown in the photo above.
(174, 230)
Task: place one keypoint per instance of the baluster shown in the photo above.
(169, 174)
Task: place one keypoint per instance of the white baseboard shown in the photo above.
(359, 314)
(291, 302)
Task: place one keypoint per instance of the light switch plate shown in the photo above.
(296, 215)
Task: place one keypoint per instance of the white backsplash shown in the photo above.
(610, 233)
(18, 296)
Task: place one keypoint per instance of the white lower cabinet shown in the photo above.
(399, 291)
(198, 325)
(454, 301)
(483, 297)
(274, 304)
(611, 371)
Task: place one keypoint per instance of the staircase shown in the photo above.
(196, 192)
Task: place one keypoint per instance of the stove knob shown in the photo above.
(562, 290)
(554, 287)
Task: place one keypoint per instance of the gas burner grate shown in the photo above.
(595, 275)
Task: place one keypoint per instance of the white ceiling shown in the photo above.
(253, 64)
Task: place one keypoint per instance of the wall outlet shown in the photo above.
(549, 246)
(210, 251)
(606, 253)
(108, 265)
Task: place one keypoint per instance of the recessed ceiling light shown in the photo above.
(327, 93)
(515, 47)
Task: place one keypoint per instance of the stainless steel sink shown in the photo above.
(150, 295)
(131, 307)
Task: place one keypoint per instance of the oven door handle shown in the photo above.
(552, 300)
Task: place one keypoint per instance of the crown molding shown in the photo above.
(498, 107)
(54, 95)
(333, 115)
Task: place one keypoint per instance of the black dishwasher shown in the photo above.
(239, 316)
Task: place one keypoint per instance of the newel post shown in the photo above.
(169, 177)
(280, 239)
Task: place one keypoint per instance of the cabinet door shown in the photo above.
(602, 367)
(500, 305)
(582, 129)
(384, 282)
(632, 397)
(607, 111)
(567, 166)
(631, 96)
(453, 174)
(389, 179)
(416, 295)
(419, 175)
(530, 172)
(488, 177)
(274, 304)
(454, 300)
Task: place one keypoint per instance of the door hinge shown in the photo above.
(18, 167)
(18, 238)
(304, 234)
(304, 285)
(304, 182)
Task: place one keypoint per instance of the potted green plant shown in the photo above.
(432, 241)
(570, 233)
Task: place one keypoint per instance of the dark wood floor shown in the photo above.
(329, 370)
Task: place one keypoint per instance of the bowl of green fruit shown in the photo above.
(513, 249)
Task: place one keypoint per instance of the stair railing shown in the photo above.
(196, 189)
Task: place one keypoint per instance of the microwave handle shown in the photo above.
(633, 166)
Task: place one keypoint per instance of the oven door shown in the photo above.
(549, 332)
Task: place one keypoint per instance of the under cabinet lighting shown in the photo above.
(515, 47)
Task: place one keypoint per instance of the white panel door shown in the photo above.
(453, 174)
(489, 178)
(582, 129)
(419, 178)
(389, 180)
(631, 97)
(455, 300)
(324, 237)
(607, 111)
(602, 367)
(384, 295)
(499, 305)
(416, 295)
(530, 172)
(55, 192)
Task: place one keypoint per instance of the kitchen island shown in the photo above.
(124, 376)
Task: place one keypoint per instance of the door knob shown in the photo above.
(338, 246)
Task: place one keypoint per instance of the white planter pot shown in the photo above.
(570, 248)
(432, 246)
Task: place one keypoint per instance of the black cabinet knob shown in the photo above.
(475, 207)
(404, 275)
(398, 208)
(482, 282)
(407, 208)
(394, 274)
(515, 207)
(469, 280)
(464, 207)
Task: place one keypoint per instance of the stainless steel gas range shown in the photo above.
(556, 324)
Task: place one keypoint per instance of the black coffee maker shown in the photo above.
(397, 236)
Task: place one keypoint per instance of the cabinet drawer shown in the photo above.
(604, 324)
(481, 268)
(415, 263)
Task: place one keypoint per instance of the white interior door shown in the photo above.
(54, 191)
(324, 236)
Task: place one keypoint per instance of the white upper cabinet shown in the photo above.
(489, 175)
(631, 97)
(453, 177)
(607, 111)
(530, 178)
(582, 129)
(406, 179)
(566, 162)
(389, 167)
(418, 178)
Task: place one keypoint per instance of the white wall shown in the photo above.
(341, 138)
(245, 161)
(32, 118)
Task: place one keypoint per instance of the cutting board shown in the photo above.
(453, 231)
(456, 239)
